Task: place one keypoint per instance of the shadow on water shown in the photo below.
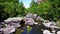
(36, 30)
(24, 30)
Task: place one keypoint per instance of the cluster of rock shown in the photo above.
(29, 20)
(53, 27)
(12, 23)
(47, 24)
(48, 32)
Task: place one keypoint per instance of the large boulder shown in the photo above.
(46, 32)
(9, 29)
(29, 21)
(58, 32)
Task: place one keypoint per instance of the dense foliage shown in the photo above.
(10, 8)
(49, 9)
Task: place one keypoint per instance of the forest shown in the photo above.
(47, 9)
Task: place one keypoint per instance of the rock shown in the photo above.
(29, 21)
(29, 15)
(58, 32)
(46, 32)
(47, 24)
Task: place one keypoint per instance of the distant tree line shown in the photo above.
(49, 9)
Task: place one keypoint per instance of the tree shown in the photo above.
(33, 7)
(49, 9)
(44, 10)
(1, 12)
(20, 9)
(14, 1)
(11, 9)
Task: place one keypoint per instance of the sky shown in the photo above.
(26, 3)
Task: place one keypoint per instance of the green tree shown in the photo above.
(1, 12)
(33, 7)
(49, 10)
(44, 10)
(11, 9)
(20, 9)
(14, 1)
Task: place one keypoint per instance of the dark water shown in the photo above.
(35, 30)
(24, 30)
